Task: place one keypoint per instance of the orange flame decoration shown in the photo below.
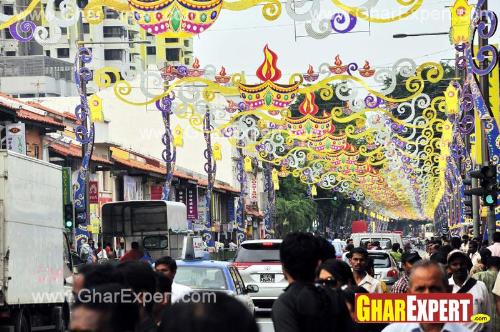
(308, 106)
(196, 63)
(338, 62)
(310, 70)
(367, 65)
(268, 71)
(222, 71)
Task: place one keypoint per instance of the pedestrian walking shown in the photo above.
(408, 259)
(495, 247)
(358, 258)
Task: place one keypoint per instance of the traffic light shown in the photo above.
(489, 183)
(68, 216)
(488, 189)
(80, 215)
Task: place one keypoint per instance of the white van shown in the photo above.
(386, 239)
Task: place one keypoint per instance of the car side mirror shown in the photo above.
(252, 289)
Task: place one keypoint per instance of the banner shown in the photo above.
(93, 192)
(132, 188)
(156, 191)
(66, 185)
(192, 203)
(16, 137)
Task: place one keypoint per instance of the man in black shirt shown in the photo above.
(305, 306)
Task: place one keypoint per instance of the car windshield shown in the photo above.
(258, 252)
(380, 260)
(201, 277)
(384, 242)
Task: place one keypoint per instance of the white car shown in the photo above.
(386, 268)
(258, 262)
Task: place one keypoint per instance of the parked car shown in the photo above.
(215, 276)
(386, 268)
(259, 263)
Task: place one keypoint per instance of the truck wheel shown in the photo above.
(21, 322)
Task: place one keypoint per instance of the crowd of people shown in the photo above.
(320, 295)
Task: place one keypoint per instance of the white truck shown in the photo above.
(159, 227)
(34, 251)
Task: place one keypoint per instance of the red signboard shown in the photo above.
(93, 192)
(156, 192)
(359, 226)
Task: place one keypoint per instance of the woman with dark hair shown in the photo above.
(335, 273)
(208, 312)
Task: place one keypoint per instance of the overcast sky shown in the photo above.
(237, 38)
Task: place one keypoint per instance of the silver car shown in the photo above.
(386, 268)
(258, 262)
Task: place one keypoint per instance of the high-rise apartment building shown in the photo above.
(113, 43)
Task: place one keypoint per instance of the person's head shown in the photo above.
(349, 294)
(91, 242)
(350, 241)
(326, 249)
(459, 265)
(370, 266)
(358, 257)
(465, 238)
(376, 243)
(335, 273)
(300, 256)
(428, 277)
(220, 312)
(485, 254)
(167, 266)
(473, 246)
(456, 243)
(135, 245)
(496, 237)
(349, 247)
(97, 314)
(396, 246)
(493, 263)
(408, 259)
(433, 248)
(141, 278)
(92, 275)
(163, 287)
(446, 249)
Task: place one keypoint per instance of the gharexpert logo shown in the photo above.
(480, 318)
(417, 308)
(14, 130)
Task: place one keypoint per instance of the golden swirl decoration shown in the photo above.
(271, 9)
(124, 88)
(103, 79)
(434, 72)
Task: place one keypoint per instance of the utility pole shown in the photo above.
(484, 84)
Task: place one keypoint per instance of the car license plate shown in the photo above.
(267, 277)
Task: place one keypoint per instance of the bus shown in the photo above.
(158, 226)
(429, 231)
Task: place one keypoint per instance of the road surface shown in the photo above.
(265, 324)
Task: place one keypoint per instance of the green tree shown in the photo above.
(295, 211)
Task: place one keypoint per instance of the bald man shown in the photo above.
(427, 277)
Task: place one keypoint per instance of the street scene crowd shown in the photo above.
(320, 295)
